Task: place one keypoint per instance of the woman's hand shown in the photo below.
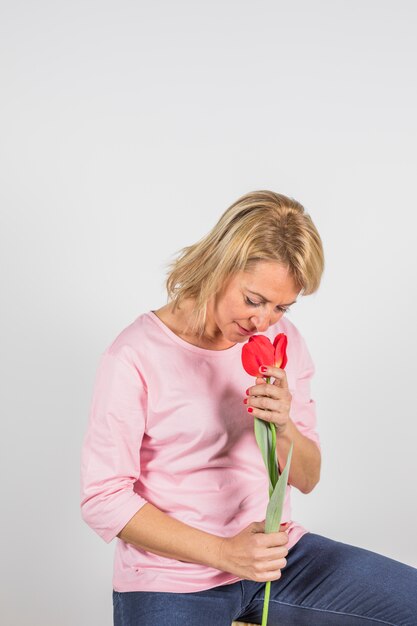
(253, 554)
(270, 402)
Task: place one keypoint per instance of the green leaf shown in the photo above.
(276, 502)
(273, 461)
(272, 456)
(262, 434)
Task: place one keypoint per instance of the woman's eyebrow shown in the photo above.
(265, 300)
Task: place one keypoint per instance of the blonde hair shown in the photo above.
(259, 226)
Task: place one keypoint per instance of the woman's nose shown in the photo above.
(264, 319)
(261, 321)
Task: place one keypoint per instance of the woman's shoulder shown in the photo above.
(133, 340)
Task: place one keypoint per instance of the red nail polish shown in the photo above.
(263, 368)
(247, 391)
(245, 400)
(250, 410)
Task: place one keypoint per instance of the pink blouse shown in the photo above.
(167, 425)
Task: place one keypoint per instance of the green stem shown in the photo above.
(272, 460)
(273, 455)
(274, 478)
(266, 603)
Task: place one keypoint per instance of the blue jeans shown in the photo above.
(325, 583)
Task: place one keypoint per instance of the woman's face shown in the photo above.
(250, 301)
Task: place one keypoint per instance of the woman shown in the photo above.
(170, 465)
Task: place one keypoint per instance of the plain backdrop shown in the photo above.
(127, 128)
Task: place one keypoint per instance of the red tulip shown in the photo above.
(260, 351)
(280, 345)
(256, 352)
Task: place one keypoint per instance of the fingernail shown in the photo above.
(250, 410)
(245, 400)
(247, 391)
(263, 368)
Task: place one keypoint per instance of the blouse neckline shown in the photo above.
(189, 346)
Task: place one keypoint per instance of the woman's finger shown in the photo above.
(264, 389)
(277, 373)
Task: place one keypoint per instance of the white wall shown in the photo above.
(127, 128)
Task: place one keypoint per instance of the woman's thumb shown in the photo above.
(258, 527)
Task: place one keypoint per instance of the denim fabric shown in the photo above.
(325, 583)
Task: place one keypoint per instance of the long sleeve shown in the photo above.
(303, 407)
(110, 457)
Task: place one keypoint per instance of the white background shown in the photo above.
(127, 128)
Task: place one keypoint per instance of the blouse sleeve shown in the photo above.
(110, 457)
(303, 407)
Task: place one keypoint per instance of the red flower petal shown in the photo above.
(280, 346)
(256, 352)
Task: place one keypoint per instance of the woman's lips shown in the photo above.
(243, 331)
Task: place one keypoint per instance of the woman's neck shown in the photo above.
(178, 320)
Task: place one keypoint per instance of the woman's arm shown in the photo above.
(294, 416)
(152, 530)
(251, 554)
(301, 428)
(265, 401)
(306, 458)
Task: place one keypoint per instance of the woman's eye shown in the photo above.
(283, 309)
(252, 303)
